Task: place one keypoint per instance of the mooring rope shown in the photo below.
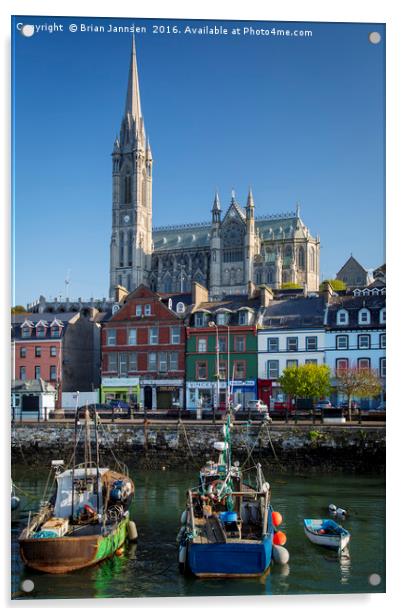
(181, 424)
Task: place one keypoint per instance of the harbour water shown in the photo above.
(149, 568)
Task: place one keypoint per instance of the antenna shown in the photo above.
(67, 282)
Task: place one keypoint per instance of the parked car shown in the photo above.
(116, 403)
(257, 405)
(323, 404)
(381, 407)
(106, 411)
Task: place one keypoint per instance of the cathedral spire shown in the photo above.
(133, 104)
(216, 209)
(250, 198)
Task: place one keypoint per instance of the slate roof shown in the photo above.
(294, 313)
(32, 386)
(18, 319)
(232, 303)
(353, 304)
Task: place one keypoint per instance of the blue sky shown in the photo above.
(298, 119)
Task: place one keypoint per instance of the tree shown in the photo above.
(336, 284)
(291, 285)
(18, 310)
(307, 381)
(357, 382)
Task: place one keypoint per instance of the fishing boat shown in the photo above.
(86, 518)
(227, 526)
(327, 533)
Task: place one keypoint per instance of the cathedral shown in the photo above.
(235, 247)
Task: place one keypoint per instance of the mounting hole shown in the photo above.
(374, 579)
(27, 30)
(375, 38)
(27, 586)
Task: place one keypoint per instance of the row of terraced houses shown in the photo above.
(183, 351)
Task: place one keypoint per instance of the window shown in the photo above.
(112, 362)
(342, 364)
(37, 372)
(273, 345)
(132, 362)
(40, 331)
(243, 317)
(175, 335)
(110, 337)
(163, 362)
(201, 345)
(38, 351)
(342, 342)
(23, 373)
(239, 344)
(138, 311)
(363, 363)
(240, 370)
(23, 352)
(222, 370)
(364, 341)
(382, 315)
(201, 370)
(132, 336)
(342, 317)
(53, 373)
(273, 369)
(313, 362)
(147, 310)
(55, 331)
(221, 318)
(382, 367)
(291, 363)
(152, 361)
(222, 344)
(291, 344)
(26, 332)
(311, 343)
(53, 351)
(153, 335)
(199, 319)
(364, 316)
(382, 341)
(122, 364)
(173, 360)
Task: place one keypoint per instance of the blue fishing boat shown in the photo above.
(227, 526)
(327, 533)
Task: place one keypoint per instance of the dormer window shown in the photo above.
(342, 317)
(40, 331)
(26, 331)
(199, 319)
(55, 331)
(382, 315)
(364, 316)
(138, 311)
(243, 317)
(147, 310)
(221, 318)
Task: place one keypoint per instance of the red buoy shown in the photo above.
(279, 538)
(276, 518)
(120, 551)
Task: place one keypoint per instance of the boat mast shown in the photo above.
(97, 460)
(72, 470)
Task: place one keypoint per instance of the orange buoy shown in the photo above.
(119, 551)
(276, 518)
(279, 538)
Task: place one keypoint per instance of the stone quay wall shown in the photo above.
(298, 448)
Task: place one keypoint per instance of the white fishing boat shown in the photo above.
(327, 533)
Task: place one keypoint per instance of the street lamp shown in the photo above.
(213, 324)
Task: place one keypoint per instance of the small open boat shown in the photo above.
(85, 520)
(326, 533)
(227, 525)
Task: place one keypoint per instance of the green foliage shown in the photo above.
(355, 383)
(18, 310)
(337, 285)
(290, 285)
(315, 435)
(307, 381)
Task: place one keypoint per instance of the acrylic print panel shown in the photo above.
(196, 296)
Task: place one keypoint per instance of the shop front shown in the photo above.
(161, 394)
(203, 395)
(243, 391)
(125, 389)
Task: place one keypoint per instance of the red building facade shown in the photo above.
(143, 353)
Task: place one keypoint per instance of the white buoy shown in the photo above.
(183, 517)
(132, 531)
(180, 534)
(15, 501)
(265, 486)
(280, 555)
(341, 512)
(182, 554)
(332, 508)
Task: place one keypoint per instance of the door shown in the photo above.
(148, 397)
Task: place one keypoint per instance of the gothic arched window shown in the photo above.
(312, 259)
(301, 258)
(121, 249)
(127, 189)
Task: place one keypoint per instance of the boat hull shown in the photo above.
(65, 554)
(234, 559)
(331, 541)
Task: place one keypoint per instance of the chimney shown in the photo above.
(327, 291)
(251, 289)
(198, 293)
(266, 295)
(120, 293)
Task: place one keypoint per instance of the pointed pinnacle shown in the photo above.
(250, 198)
(217, 203)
